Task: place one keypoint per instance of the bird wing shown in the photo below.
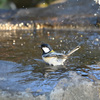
(57, 55)
(61, 55)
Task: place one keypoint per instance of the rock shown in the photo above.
(69, 14)
(76, 88)
(73, 7)
(73, 88)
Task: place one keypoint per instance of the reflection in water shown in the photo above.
(22, 47)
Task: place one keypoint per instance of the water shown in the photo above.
(21, 67)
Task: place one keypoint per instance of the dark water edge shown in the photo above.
(22, 69)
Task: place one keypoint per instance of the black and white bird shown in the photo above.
(53, 58)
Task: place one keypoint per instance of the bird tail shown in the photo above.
(72, 51)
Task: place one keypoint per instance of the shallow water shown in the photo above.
(21, 67)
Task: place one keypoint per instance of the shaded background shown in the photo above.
(14, 4)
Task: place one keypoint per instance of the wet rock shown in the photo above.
(73, 7)
(74, 12)
(73, 88)
(76, 88)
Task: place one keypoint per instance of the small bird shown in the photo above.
(53, 58)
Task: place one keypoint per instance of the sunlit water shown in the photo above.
(21, 67)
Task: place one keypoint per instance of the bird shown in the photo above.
(54, 58)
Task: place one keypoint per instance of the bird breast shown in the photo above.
(53, 60)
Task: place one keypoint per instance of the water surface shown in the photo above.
(21, 67)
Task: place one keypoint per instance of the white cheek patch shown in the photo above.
(46, 50)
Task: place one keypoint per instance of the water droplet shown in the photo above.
(60, 40)
(95, 14)
(21, 44)
(20, 37)
(97, 39)
(14, 42)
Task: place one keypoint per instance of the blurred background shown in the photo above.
(15, 4)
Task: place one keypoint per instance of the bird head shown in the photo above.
(46, 48)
